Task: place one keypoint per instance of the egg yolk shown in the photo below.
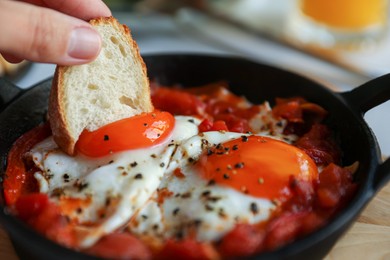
(139, 131)
(258, 166)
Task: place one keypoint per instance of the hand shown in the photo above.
(50, 31)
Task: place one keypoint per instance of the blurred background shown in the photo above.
(265, 31)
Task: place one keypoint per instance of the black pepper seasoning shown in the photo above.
(211, 183)
(175, 211)
(197, 222)
(213, 199)
(239, 165)
(221, 213)
(253, 208)
(186, 195)
(138, 176)
(83, 186)
(66, 177)
(208, 208)
(206, 193)
(133, 164)
(244, 138)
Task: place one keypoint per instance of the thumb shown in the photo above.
(44, 35)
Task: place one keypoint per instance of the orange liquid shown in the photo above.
(347, 14)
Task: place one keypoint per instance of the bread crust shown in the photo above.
(58, 118)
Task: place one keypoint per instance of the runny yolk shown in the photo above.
(258, 166)
(139, 131)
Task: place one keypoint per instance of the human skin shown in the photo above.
(50, 31)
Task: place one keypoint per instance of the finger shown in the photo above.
(44, 35)
(11, 58)
(83, 9)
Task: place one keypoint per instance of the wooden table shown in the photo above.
(369, 237)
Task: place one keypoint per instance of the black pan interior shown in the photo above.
(255, 81)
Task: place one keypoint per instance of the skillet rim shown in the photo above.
(350, 212)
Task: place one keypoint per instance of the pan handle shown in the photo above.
(8, 91)
(370, 94)
(365, 97)
(382, 175)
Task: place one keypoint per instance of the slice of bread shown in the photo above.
(112, 87)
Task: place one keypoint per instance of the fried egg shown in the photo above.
(162, 178)
(218, 179)
(102, 193)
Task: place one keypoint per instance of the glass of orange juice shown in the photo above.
(343, 23)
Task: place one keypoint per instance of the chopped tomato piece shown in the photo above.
(18, 180)
(243, 240)
(219, 126)
(312, 221)
(296, 108)
(327, 198)
(187, 249)
(289, 109)
(319, 145)
(284, 229)
(217, 107)
(205, 125)
(31, 205)
(46, 219)
(235, 123)
(303, 194)
(318, 111)
(335, 184)
(215, 90)
(177, 102)
(120, 246)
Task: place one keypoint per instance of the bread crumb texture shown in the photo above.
(111, 87)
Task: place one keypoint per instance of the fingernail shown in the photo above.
(84, 43)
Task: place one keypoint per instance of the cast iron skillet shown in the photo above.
(21, 110)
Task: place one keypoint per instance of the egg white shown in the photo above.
(126, 185)
(126, 178)
(196, 205)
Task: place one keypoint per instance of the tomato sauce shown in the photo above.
(311, 206)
